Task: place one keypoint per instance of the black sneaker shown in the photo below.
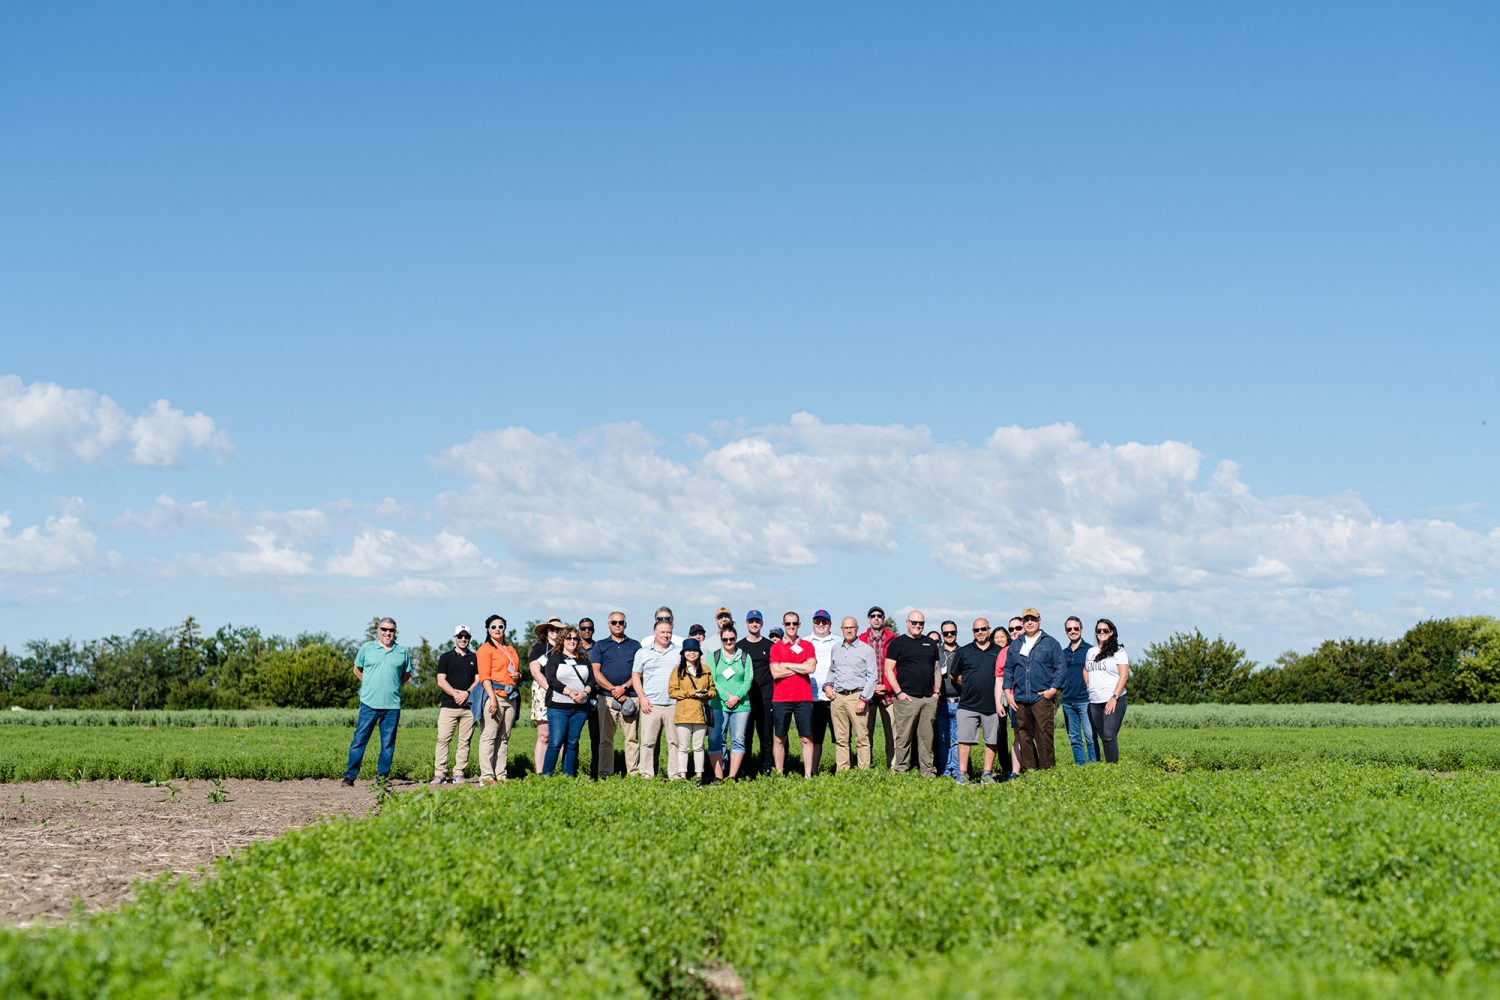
(348, 782)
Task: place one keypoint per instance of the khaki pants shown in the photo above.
(912, 721)
(609, 720)
(877, 714)
(846, 724)
(494, 741)
(653, 727)
(450, 719)
(688, 735)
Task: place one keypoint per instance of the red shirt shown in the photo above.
(1000, 662)
(797, 687)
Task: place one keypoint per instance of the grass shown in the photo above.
(29, 753)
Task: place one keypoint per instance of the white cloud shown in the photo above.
(381, 552)
(61, 544)
(266, 556)
(168, 516)
(43, 424)
(161, 435)
(1135, 527)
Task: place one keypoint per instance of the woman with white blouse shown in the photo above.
(1105, 674)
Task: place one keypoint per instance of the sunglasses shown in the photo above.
(1015, 628)
(585, 628)
(790, 624)
(497, 628)
(663, 618)
(979, 630)
(949, 635)
(1030, 618)
(1101, 631)
(620, 622)
(384, 629)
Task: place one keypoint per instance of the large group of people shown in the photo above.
(724, 704)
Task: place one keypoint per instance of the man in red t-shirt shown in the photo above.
(793, 661)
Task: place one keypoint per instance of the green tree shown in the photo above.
(1479, 667)
(1428, 659)
(1189, 668)
(135, 671)
(312, 676)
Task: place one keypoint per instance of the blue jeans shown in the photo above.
(564, 728)
(369, 718)
(1080, 732)
(732, 727)
(715, 730)
(947, 738)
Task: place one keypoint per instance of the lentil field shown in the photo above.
(1338, 852)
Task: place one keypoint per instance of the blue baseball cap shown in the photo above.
(823, 615)
(755, 616)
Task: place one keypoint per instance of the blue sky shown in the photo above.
(1172, 313)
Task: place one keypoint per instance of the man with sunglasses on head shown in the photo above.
(1033, 676)
(823, 642)
(613, 660)
(762, 692)
(878, 637)
(911, 672)
(382, 667)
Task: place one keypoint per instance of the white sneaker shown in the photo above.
(438, 779)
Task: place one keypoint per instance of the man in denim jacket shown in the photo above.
(1034, 674)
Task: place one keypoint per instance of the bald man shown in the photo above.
(849, 686)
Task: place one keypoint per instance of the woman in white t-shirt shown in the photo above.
(1105, 674)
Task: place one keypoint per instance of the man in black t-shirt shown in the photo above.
(758, 648)
(911, 672)
(457, 674)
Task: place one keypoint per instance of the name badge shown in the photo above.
(728, 672)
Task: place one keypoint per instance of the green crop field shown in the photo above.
(297, 746)
(1238, 851)
(1331, 879)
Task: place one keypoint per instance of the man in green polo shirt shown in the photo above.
(382, 667)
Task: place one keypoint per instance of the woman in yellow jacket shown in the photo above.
(692, 684)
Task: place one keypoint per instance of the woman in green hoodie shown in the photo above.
(732, 678)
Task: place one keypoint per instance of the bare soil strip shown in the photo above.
(61, 843)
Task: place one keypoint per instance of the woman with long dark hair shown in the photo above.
(570, 700)
(1105, 674)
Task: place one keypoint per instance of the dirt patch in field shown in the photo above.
(60, 843)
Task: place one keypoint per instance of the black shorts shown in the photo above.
(785, 711)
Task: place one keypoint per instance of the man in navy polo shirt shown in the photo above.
(1074, 695)
(613, 658)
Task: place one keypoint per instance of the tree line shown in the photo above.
(1438, 660)
(236, 666)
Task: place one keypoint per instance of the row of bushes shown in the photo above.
(236, 667)
(1443, 660)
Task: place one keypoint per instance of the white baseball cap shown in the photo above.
(462, 628)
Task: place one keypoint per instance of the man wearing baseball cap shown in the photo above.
(823, 640)
(457, 674)
(1034, 672)
(758, 648)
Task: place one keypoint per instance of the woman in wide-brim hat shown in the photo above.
(546, 632)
